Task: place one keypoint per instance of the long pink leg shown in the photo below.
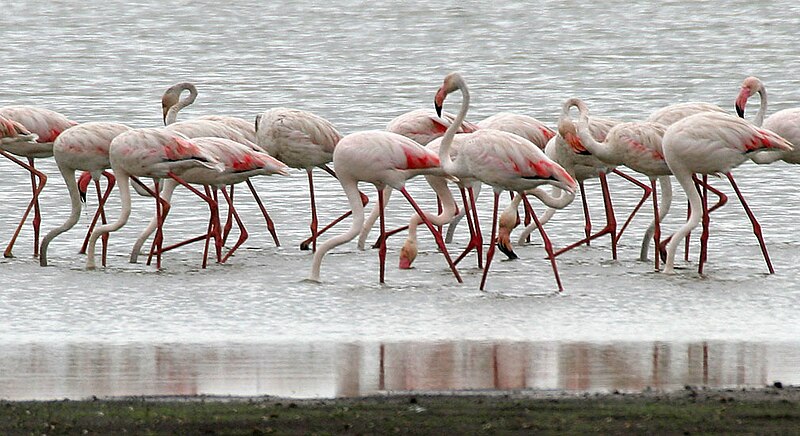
(242, 230)
(437, 234)
(609, 229)
(111, 181)
(307, 243)
(490, 251)
(226, 229)
(471, 215)
(656, 222)
(37, 214)
(270, 223)
(382, 248)
(162, 209)
(34, 203)
(706, 220)
(587, 219)
(214, 210)
(754, 222)
(548, 247)
(647, 192)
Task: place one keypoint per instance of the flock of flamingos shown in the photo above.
(509, 152)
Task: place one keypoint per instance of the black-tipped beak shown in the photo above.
(83, 196)
(739, 111)
(508, 251)
(438, 109)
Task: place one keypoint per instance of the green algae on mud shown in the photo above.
(758, 411)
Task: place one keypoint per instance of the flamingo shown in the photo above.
(221, 126)
(240, 163)
(500, 159)
(669, 115)
(713, 143)
(85, 148)
(636, 145)
(423, 126)
(301, 140)
(47, 125)
(565, 149)
(155, 153)
(785, 123)
(383, 159)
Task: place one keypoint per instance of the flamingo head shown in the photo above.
(569, 131)
(452, 82)
(168, 100)
(750, 86)
(407, 254)
(83, 184)
(172, 97)
(504, 242)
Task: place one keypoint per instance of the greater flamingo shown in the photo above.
(383, 159)
(46, 125)
(637, 145)
(221, 126)
(669, 115)
(423, 126)
(155, 153)
(240, 163)
(566, 149)
(785, 123)
(713, 143)
(500, 159)
(83, 148)
(301, 140)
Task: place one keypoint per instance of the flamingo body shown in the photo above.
(300, 139)
(423, 125)
(45, 123)
(668, 115)
(523, 125)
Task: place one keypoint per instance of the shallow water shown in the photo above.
(359, 65)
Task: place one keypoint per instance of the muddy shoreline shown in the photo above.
(772, 409)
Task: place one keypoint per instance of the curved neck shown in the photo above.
(762, 108)
(123, 184)
(561, 201)
(74, 216)
(450, 133)
(685, 179)
(600, 150)
(354, 198)
(172, 112)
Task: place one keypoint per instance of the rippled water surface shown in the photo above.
(359, 64)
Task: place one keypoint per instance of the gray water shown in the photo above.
(359, 64)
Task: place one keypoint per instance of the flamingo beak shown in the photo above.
(438, 101)
(739, 110)
(741, 101)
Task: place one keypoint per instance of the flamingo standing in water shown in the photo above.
(671, 114)
(155, 153)
(713, 143)
(84, 148)
(566, 149)
(785, 123)
(500, 159)
(221, 126)
(302, 140)
(383, 159)
(240, 163)
(46, 125)
(636, 145)
(424, 126)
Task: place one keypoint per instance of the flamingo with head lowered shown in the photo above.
(713, 143)
(500, 159)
